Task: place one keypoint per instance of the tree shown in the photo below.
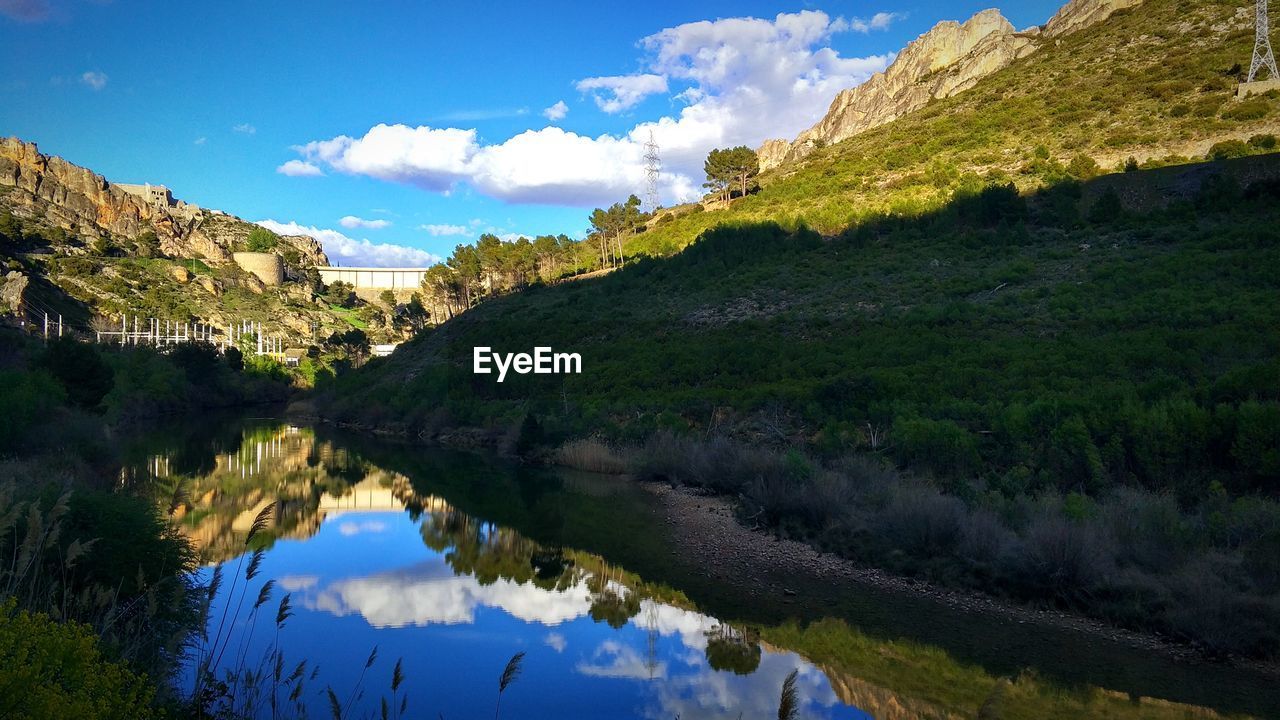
(354, 344)
(730, 168)
(342, 294)
(80, 369)
(261, 240)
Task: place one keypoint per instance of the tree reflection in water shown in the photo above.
(593, 620)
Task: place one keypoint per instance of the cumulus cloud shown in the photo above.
(616, 93)
(431, 158)
(348, 251)
(743, 81)
(349, 529)
(299, 168)
(244, 129)
(615, 660)
(432, 595)
(94, 79)
(556, 112)
(25, 10)
(879, 21)
(352, 222)
(446, 230)
(556, 641)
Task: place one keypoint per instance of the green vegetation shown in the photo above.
(1036, 367)
(56, 670)
(1154, 82)
(261, 240)
(731, 169)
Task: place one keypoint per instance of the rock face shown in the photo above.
(1080, 14)
(12, 286)
(949, 59)
(57, 193)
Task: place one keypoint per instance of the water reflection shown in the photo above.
(414, 563)
(372, 561)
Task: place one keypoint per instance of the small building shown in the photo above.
(384, 350)
(293, 356)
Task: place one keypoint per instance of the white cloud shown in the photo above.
(299, 168)
(348, 529)
(446, 230)
(622, 92)
(879, 21)
(615, 660)
(352, 222)
(94, 79)
(556, 642)
(556, 112)
(431, 158)
(298, 583)
(202, 140)
(348, 251)
(434, 595)
(244, 129)
(744, 80)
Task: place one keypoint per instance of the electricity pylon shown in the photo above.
(1262, 55)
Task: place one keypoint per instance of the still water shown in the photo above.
(451, 563)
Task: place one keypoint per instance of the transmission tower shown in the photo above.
(1262, 56)
(652, 166)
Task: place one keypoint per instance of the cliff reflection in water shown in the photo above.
(343, 543)
(376, 557)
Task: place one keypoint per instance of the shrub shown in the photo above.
(939, 445)
(80, 369)
(922, 520)
(1246, 110)
(261, 239)
(1228, 149)
(591, 455)
(56, 670)
(1064, 559)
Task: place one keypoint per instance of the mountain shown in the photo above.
(82, 247)
(1022, 339)
(88, 206)
(949, 59)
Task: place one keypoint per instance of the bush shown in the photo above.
(938, 445)
(79, 368)
(1064, 559)
(1228, 149)
(923, 521)
(592, 456)
(261, 239)
(56, 670)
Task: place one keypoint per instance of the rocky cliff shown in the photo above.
(949, 59)
(50, 191)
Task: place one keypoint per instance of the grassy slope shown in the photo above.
(1006, 353)
(1149, 82)
(917, 315)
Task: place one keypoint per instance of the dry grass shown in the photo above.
(591, 455)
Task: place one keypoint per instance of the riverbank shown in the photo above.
(707, 527)
(708, 524)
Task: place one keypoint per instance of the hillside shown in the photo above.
(75, 244)
(1154, 83)
(945, 346)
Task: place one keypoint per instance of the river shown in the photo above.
(451, 563)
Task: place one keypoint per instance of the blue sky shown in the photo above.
(424, 124)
